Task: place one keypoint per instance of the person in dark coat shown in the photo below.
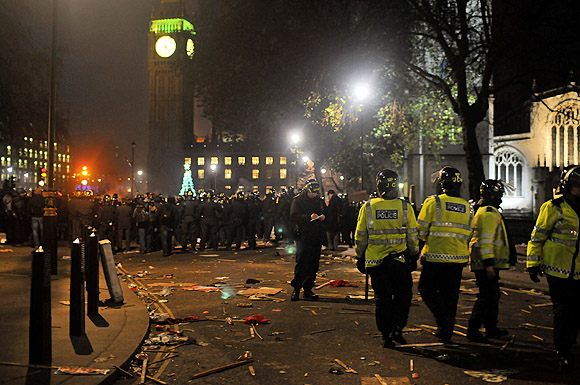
(332, 217)
(210, 212)
(36, 212)
(124, 213)
(189, 222)
(308, 212)
(254, 214)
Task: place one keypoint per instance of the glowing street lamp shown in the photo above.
(295, 138)
(213, 168)
(361, 91)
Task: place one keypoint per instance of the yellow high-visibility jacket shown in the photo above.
(444, 224)
(489, 245)
(385, 227)
(554, 241)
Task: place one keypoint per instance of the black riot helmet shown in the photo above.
(449, 181)
(240, 195)
(570, 176)
(388, 184)
(491, 191)
(312, 186)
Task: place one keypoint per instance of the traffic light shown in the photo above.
(42, 176)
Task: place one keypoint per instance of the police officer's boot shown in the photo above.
(397, 335)
(310, 295)
(295, 294)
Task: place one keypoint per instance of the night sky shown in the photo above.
(104, 85)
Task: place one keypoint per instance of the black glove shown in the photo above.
(360, 265)
(534, 271)
(413, 261)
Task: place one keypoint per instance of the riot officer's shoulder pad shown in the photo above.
(558, 201)
(489, 209)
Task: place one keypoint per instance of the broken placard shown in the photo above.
(493, 375)
(260, 291)
(75, 370)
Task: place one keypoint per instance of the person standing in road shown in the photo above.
(387, 247)
(124, 213)
(553, 250)
(36, 212)
(444, 224)
(333, 215)
(489, 252)
(308, 212)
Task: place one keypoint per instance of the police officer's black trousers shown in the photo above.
(565, 293)
(439, 288)
(393, 285)
(486, 308)
(307, 262)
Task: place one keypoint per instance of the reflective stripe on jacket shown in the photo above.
(444, 224)
(488, 247)
(554, 241)
(385, 227)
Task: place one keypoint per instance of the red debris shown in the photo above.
(340, 283)
(256, 319)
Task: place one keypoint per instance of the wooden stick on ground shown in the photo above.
(144, 371)
(222, 368)
(381, 379)
(420, 345)
(347, 368)
(322, 331)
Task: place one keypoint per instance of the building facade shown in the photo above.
(22, 159)
(532, 160)
(240, 166)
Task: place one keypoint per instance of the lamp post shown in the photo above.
(361, 91)
(133, 145)
(52, 101)
(140, 175)
(295, 139)
(213, 170)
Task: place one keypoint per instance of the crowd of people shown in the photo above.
(390, 237)
(188, 223)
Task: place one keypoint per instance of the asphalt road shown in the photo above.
(304, 339)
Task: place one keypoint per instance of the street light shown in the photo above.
(295, 139)
(213, 170)
(361, 92)
(133, 145)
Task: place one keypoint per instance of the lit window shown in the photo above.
(214, 160)
(9, 150)
(283, 160)
(241, 160)
(67, 168)
(200, 173)
(25, 138)
(20, 163)
(255, 174)
(228, 173)
(25, 163)
(45, 155)
(228, 160)
(256, 188)
(200, 160)
(8, 162)
(3, 160)
(509, 168)
(283, 173)
(255, 160)
(269, 160)
(228, 187)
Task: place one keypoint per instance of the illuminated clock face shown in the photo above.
(189, 48)
(165, 46)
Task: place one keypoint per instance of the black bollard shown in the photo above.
(77, 290)
(40, 331)
(92, 261)
(50, 223)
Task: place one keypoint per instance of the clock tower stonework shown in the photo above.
(171, 95)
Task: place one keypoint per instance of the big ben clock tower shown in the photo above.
(171, 92)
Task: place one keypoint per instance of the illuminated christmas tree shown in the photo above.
(187, 183)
